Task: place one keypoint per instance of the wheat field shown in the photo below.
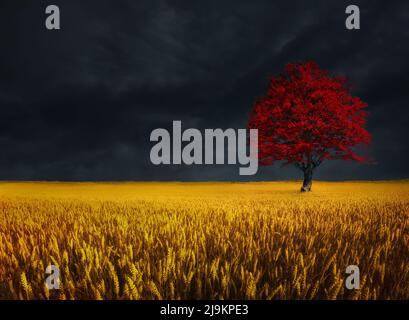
(204, 240)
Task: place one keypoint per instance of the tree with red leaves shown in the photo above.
(308, 116)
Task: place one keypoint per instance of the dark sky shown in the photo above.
(80, 103)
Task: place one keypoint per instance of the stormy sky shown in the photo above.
(80, 103)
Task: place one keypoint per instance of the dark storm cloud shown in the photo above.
(80, 103)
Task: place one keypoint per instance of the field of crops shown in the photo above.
(204, 240)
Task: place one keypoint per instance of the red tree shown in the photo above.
(308, 116)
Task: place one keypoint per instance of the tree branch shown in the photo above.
(316, 163)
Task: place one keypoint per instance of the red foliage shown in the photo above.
(308, 116)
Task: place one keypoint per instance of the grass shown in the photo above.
(211, 240)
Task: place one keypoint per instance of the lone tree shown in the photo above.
(308, 116)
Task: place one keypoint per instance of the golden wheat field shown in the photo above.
(204, 240)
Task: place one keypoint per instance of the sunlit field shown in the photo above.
(204, 240)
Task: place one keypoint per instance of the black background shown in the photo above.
(80, 103)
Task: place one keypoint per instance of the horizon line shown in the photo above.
(200, 181)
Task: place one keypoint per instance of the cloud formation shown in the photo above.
(80, 103)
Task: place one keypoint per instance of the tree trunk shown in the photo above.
(307, 183)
